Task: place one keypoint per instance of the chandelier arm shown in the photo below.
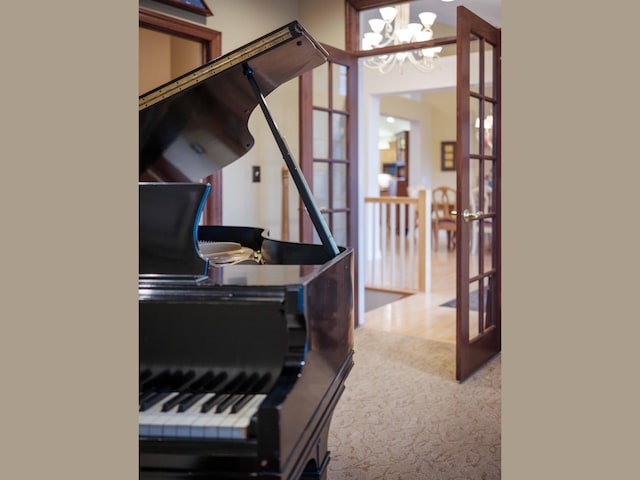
(388, 38)
(383, 64)
(388, 66)
(436, 42)
(424, 63)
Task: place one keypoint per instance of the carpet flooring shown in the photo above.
(404, 416)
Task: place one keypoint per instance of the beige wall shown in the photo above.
(242, 21)
(163, 57)
(154, 66)
(185, 56)
(419, 136)
(325, 20)
(442, 105)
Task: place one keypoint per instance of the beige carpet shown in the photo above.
(404, 416)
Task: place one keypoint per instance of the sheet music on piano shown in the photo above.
(242, 361)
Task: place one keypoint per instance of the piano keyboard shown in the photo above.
(204, 408)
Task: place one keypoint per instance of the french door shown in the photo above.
(328, 150)
(478, 280)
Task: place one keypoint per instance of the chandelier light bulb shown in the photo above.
(431, 52)
(423, 35)
(404, 35)
(427, 18)
(376, 24)
(388, 13)
(414, 28)
(373, 38)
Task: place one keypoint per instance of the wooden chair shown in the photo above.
(443, 202)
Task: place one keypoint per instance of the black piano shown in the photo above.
(245, 341)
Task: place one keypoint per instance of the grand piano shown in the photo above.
(245, 341)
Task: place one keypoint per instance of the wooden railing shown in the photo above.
(397, 243)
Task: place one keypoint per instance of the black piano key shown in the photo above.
(212, 402)
(164, 383)
(232, 397)
(262, 383)
(144, 375)
(150, 402)
(172, 402)
(198, 384)
(255, 389)
(145, 395)
(249, 383)
(227, 401)
(242, 401)
(187, 403)
(227, 390)
(234, 383)
(180, 379)
(156, 381)
(215, 382)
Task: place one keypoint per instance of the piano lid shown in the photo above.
(197, 124)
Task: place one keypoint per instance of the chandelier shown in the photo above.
(394, 28)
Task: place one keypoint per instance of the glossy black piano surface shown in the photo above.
(244, 351)
(196, 124)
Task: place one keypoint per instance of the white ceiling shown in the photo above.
(387, 130)
(489, 10)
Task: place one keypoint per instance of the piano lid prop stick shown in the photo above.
(303, 188)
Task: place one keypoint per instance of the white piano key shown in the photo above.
(241, 425)
(224, 424)
(178, 424)
(199, 426)
(149, 420)
(194, 424)
(215, 421)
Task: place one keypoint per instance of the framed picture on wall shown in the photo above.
(448, 156)
(196, 6)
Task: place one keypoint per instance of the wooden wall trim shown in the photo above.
(366, 4)
(161, 22)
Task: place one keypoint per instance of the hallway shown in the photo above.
(420, 315)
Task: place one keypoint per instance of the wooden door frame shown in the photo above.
(339, 57)
(352, 42)
(211, 41)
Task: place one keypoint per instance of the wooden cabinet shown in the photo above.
(402, 163)
(395, 162)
